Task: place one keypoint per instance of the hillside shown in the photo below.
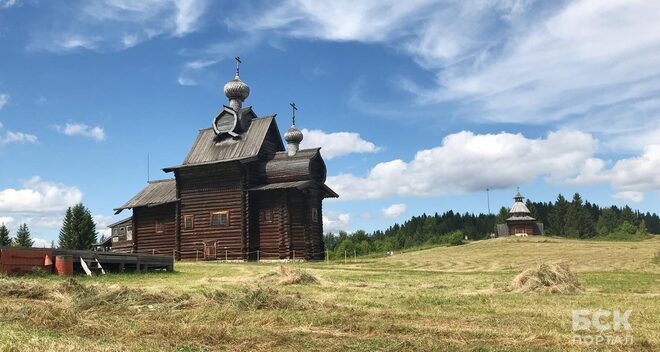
(517, 253)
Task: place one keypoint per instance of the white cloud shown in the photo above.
(110, 25)
(394, 210)
(17, 137)
(630, 177)
(191, 69)
(78, 129)
(336, 144)
(102, 222)
(467, 162)
(5, 4)
(4, 99)
(41, 243)
(10, 137)
(333, 222)
(630, 196)
(38, 196)
(589, 65)
(7, 221)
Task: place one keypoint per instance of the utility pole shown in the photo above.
(488, 198)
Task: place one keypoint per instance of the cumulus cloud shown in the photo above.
(109, 25)
(78, 129)
(467, 162)
(102, 222)
(4, 99)
(394, 210)
(335, 144)
(41, 243)
(39, 196)
(333, 222)
(630, 177)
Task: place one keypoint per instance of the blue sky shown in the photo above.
(419, 106)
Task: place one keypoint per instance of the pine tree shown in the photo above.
(607, 222)
(66, 239)
(586, 228)
(23, 238)
(557, 216)
(502, 215)
(5, 240)
(78, 229)
(574, 216)
(627, 214)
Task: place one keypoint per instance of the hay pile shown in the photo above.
(546, 278)
(289, 276)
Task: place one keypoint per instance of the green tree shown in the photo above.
(607, 222)
(502, 215)
(5, 240)
(557, 216)
(78, 229)
(23, 238)
(573, 217)
(627, 214)
(641, 229)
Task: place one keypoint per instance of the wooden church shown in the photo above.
(520, 221)
(238, 195)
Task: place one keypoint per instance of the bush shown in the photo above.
(453, 238)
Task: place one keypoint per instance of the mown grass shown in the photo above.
(437, 299)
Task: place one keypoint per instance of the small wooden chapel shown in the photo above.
(238, 195)
(520, 221)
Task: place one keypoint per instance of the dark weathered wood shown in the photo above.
(240, 176)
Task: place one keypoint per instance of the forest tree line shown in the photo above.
(573, 219)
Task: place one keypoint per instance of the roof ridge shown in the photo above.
(159, 181)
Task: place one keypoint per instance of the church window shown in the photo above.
(220, 219)
(160, 226)
(189, 222)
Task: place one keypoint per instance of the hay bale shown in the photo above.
(546, 278)
(288, 276)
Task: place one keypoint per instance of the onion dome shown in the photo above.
(237, 89)
(293, 135)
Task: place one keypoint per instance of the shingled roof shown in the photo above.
(206, 150)
(156, 193)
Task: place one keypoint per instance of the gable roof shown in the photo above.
(206, 150)
(120, 222)
(156, 193)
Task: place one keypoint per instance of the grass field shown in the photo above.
(447, 298)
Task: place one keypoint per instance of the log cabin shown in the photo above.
(238, 194)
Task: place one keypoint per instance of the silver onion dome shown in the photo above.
(293, 135)
(237, 89)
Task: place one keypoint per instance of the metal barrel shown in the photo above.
(64, 265)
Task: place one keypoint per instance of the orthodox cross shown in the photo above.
(238, 62)
(293, 110)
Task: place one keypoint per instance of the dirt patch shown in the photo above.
(546, 278)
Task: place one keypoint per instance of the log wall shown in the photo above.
(149, 240)
(206, 189)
